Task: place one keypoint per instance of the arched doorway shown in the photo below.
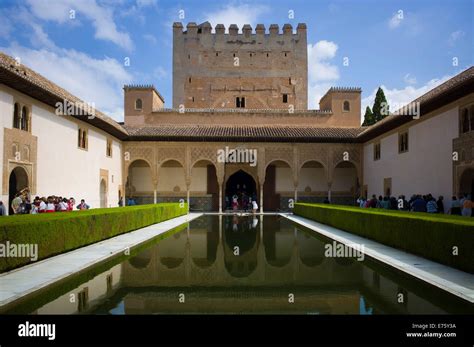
(139, 185)
(18, 180)
(103, 194)
(312, 182)
(241, 184)
(278, 188)
(466, 183)
(345, 184)
(204, 189)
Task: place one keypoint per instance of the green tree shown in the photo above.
(368, 117)
(381, 107)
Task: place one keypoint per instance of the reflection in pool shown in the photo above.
(247, 264)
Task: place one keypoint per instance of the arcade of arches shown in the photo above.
(165, 172)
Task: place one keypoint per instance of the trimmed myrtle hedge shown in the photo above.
(56, 233)
(431, 236)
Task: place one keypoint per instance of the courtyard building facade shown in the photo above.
(277, 151)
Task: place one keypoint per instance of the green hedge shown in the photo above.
(56, 233)
(430, 236)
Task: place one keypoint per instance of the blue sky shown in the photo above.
(405, 46)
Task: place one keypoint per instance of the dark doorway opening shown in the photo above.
(242, 186)
(18, 180)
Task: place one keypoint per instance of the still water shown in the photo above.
(247, 264)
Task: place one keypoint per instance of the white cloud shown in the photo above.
(160, 73)
(240, 15)
(409, 79)
(321, 72)
(150, 38)
(97, 81)
(395, 20)
(455, 36)
(101, 17)
(398, 97)
(146, 3)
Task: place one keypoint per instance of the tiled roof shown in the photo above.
(24, 79)
(29, 82)
(242, 133)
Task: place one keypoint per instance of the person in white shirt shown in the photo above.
(63, 206)
(254, 206)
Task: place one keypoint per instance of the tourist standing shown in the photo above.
(455, 208)
(361, 201)
(431, 206)
(16, 204)
(254, 206)
(83, 206)
(467, 206)
(3, 211)
(419, 204)
(440, 204)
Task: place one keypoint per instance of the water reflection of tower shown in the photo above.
(246, 239)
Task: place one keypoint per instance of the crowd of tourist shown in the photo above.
(241, 201)
(421, 203)
(22, 204)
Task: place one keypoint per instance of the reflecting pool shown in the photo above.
(242, 264)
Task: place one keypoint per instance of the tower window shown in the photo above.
(240, 102)
(138, 104)
(346, 107)
(289, 81)
(217, 54)
(189, 79)
(267, 55)
(285, 98)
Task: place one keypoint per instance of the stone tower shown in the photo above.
(240, 70)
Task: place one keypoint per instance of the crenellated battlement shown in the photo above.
(261, 67)
(193, 29)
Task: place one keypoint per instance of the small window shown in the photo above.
(403, 142)
(189, 56)
(289, 81)
(82, 138)
(138, 104)
(217, 54)
(346, 106)
(471, 117)
(285, 54)
(234, 55)
(285, 98)
(189, 79)
(16, 116)
(240, 102)
(267, 55)
(193, 98)
(108, 150)
(377, 151)
(24, 119)
(464, 121)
